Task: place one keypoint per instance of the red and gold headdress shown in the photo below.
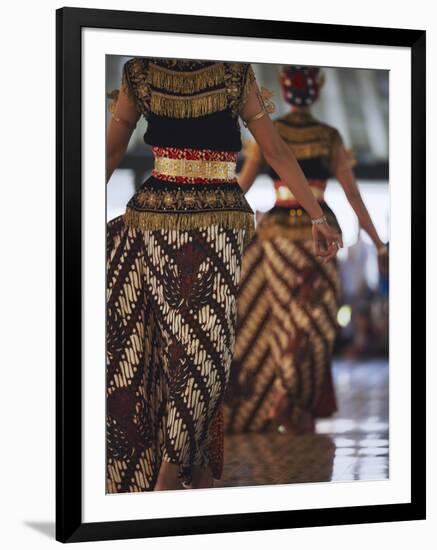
(301, 85)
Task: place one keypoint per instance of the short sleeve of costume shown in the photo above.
(238, 81)
(134, 82)
(338, 160)
(264, 94)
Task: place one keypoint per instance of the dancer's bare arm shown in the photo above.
(345, 175)
(123, 122)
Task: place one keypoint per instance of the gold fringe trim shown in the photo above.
(186, 82)
(251, 150)
(184, 221)
(303, 134)
(190, 106)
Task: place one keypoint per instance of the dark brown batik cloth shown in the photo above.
(173, 270)
(171, 314)
(287, 308)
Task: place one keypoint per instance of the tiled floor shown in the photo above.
(351, 445)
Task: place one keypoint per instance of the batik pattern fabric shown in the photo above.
(286, 326)
(171, 316)
(173, 271)
(288, 299)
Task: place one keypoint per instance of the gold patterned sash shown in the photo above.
(187, 168)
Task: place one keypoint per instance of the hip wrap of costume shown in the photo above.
(288, 299)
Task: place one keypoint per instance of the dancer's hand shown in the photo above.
(383, 259)
(327, 242)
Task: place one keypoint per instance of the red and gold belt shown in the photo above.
(194, 165)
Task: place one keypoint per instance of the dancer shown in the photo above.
(288, 298)
(173, 266)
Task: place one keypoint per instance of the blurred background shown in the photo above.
(356, 102)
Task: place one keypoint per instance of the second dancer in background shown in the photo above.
(288, 298)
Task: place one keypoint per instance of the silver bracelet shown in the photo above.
(316, 221)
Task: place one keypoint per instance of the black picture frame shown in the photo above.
(69, 525)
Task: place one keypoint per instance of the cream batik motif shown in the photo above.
(171, 321)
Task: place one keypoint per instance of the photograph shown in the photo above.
(220, 254)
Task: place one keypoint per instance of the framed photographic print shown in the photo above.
(240, 275)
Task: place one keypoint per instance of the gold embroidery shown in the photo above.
(158, 220)
(186, 81)
(309, 141)
(188, 106)
(238, 79)
(139, 75)
(177, 199)
(305, 133)
(208, 169)
(251, 150)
